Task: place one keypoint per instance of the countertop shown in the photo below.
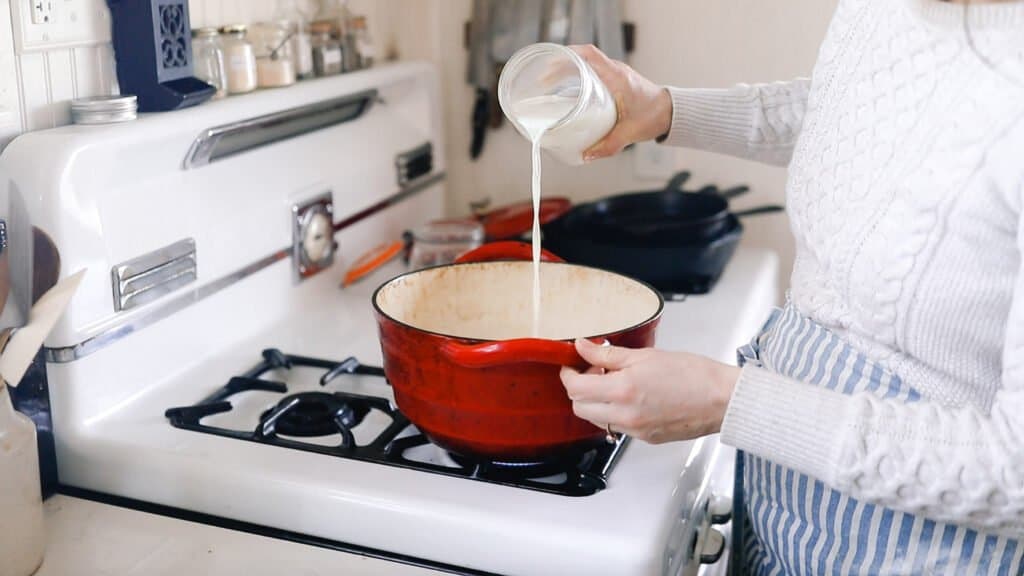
(86, 537)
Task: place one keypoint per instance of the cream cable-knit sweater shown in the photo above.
(906, 189)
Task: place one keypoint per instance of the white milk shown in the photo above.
(569, 141)
(535, 116)
(22, 539)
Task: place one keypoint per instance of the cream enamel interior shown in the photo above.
(493, 301)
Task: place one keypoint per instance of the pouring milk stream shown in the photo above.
(556, 101)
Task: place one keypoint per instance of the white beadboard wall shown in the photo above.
(36, 87)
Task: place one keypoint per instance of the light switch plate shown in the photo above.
(48, 24)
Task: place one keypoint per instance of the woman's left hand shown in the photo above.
(653, 395)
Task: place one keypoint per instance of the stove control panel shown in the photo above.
(313, 244)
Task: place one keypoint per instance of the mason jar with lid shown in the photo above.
(208, 58)
(239, 59)
(548, 90)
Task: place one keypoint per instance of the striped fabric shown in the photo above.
(793, 524)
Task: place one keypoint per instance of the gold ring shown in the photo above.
(610, 437)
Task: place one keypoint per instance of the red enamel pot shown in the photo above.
(459, 353)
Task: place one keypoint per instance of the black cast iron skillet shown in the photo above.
(679, 242)
(670, 215)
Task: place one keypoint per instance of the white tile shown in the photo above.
(35, 91)
(62, 85)
(107, 70)
(197, 13)
(88, 75)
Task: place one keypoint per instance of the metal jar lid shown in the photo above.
(205, 32)
(104, 109)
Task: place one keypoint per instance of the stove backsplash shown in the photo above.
(128, 203)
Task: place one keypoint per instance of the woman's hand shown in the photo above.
(645, 109)
(653, 395)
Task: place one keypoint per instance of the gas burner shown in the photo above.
(310, 415)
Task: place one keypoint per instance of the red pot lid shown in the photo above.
(515, 220)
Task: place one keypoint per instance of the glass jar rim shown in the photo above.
(524, 55)
(452, 231)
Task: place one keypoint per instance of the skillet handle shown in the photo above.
(734, 192)
(492, 354)
(677, 181)
(507, 250)
(769, 209)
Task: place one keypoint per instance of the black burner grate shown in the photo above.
(318, 414)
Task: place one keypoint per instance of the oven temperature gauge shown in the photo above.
(313, 243)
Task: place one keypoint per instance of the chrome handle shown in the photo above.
(224, 141)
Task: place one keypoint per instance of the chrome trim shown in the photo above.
(144, 279)
(176, 304)
(210, 146)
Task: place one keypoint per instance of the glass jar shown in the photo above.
(548, 89)
(327, 55)
(442, 241)
(295, 21)
(208, 59)
(274, 65)
(363, 42)
(337, 14)
(239, 60)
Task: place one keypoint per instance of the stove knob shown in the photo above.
(313, 245)
(317, 236)
(719, 509)
(710, 546)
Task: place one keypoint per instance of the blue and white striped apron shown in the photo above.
(791, 523)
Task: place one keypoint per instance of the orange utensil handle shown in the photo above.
(373, 260)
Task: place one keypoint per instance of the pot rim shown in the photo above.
(655, 316)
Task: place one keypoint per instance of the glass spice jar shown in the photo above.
(293, 18)
(208, 59)
(363, 42)
(327, 52)
(442, 241)
(239, 60)
(274, 64)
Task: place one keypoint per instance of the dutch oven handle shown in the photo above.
(490, 354)
(507, 250)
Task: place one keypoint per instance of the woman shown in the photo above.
(880, 414)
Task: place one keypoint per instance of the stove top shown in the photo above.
(368, 428)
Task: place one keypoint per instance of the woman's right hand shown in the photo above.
(645, 108)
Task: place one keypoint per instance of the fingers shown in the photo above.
(602, 65)
(598, 413)
(607, 357)
(610, 145)
(615, 387)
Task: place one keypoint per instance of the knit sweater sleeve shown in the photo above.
(752, 121)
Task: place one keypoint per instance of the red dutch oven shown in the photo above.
(464, 371)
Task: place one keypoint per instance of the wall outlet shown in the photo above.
(41, 25)
(653, 161)
(42, 11)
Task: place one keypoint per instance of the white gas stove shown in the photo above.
(211, 369)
